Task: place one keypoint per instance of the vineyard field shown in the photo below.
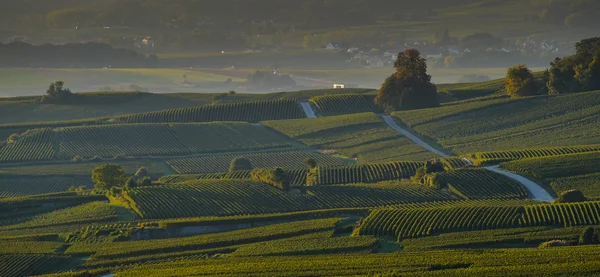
(76, 170)
(575, 261)
(238, 197)
(411, 223)
(82, 214)
(339, 104)
(332, 175)
(257, 234)
(33, 145)
(109, 141)
(253, 111)
(362, 136)
(286, 160)
(588, 184)
(495, 238)
(12, 187)
(17, 265)
(481, 184)
(308, 246)
(544, 121)
(564, 215)
(418, 222)
(556, 166)
(485, 158)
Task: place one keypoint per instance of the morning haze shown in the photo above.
(371, 138)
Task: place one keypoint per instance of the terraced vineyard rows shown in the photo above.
(109, 141)
(33, 145)
(416, 222)
(339, 104)
(12, 187)
(237, 197)
(568, 214)
(325, 175)
(254, 111)
(318, 246)
(556, 166)
(411, 223)
(366, 173)
(286, 160)
(17, 265)
(481, 184)
(503, 156)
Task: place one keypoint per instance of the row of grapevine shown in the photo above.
(33, 145)
(254, 111)
(567, 214)
(286, 160)
(366, 173)
(12, 187)
(338, 104)
(557, 166)
(17, 265)
(109, 141)
(452, 163)
(316, 246)
(508, 155)
(410, 223)
(237, 197)
(481, 184)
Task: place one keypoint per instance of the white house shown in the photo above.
(339, 86)
(331, 46)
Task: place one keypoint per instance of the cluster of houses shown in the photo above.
(374, 58)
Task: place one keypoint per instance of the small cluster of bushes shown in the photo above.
(589, 236)
(275, 177)
(427, 174)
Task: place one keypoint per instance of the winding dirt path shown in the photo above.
(536, 191)
(310, 113)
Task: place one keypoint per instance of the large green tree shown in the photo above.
(579, 72)
(108, 176)
(410, 86)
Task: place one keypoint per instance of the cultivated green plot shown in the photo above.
(237, 197)
(12, 187)
(339, 104)
(123, 140)
(240, 111)
(362, 136)
(481, 184)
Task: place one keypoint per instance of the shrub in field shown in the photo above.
(589, 236)
(519, 81)
(240, 163)
(571, 196)
(553, 243)
(275, 177)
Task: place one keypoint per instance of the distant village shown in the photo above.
(375, 58)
